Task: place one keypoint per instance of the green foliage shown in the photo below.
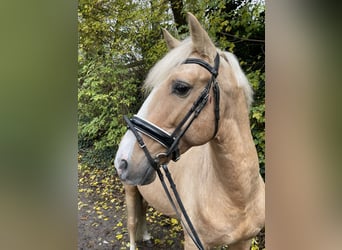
(106, 92)
(118, 42)
(257, 115)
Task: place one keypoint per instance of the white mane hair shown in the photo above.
(171, 60)
(175, 57)
(240, 76)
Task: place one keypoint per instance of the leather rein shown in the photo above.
(171, 141)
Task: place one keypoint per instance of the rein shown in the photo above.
(171, 141)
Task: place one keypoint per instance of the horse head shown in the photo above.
(178, 85)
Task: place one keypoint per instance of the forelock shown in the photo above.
(162, 69)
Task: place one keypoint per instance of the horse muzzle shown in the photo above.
(139, 175)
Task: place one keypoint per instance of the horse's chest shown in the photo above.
(224, 225)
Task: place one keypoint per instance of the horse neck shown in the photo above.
(233, 154)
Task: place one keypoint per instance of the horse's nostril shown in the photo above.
(123, 164)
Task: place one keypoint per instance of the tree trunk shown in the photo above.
(177, 7)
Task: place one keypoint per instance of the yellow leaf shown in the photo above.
(119, 236)
(174, 221)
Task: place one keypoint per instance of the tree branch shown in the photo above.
(243, 39)
(177, 7)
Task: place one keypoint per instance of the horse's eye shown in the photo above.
(181, 89)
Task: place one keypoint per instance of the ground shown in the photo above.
(102, 217)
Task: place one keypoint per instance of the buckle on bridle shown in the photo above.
(176, 155)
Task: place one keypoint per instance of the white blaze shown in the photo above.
(128, 140)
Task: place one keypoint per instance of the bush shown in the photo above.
(106, 92)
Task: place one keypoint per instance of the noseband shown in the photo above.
(171, 141)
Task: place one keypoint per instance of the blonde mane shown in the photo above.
(175, 57)
(240, 76)
(171, 60)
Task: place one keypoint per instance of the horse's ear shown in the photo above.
(200, 39)
(171, 42)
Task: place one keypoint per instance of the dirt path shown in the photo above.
(102, 216)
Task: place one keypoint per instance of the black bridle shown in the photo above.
(171, 141)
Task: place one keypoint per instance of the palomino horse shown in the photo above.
(217, 175)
